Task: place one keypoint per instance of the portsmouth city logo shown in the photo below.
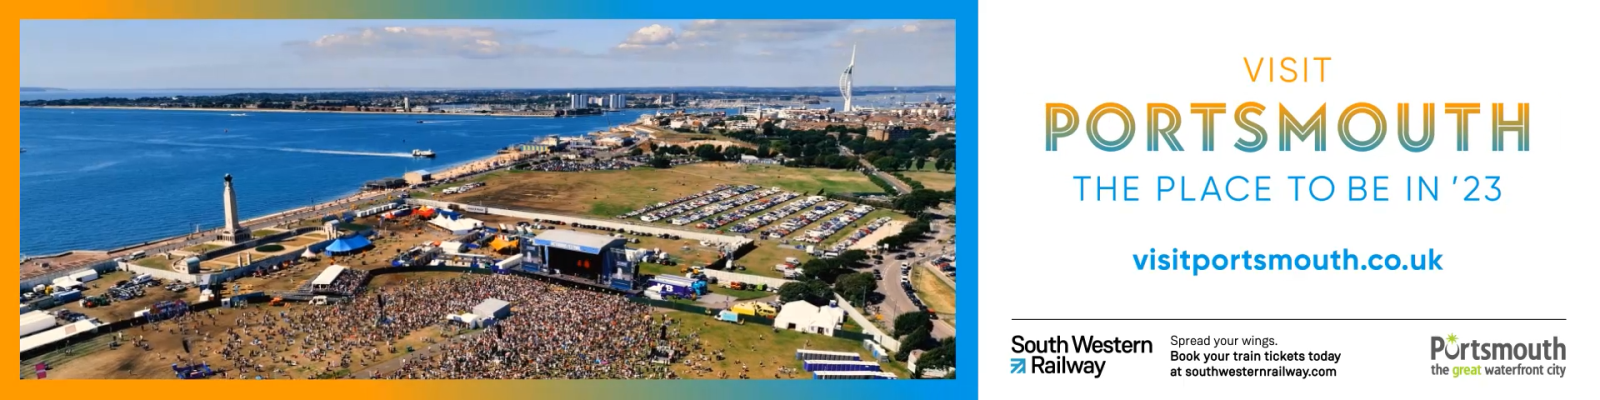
(1473, 358)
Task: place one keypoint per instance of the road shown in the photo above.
(893, 181)
(895, 300)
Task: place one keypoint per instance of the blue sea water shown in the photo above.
(140, 93)
(98, 179)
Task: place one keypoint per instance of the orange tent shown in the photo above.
(501, 243)
(426, 212)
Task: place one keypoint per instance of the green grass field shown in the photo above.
(766, 255)
(741, 294)
(203, 247)
(762, 349)
(604, 208)
(942, 181)
(610, 193)
(152, 262)
(938, 295)
(656, 269)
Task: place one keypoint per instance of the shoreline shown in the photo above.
(33, 266)
(273, 110)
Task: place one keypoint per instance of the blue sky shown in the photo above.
(138, 54)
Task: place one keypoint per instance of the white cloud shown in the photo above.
(921, 41)
(933, 32)
(760, 30)
(425, 41)
(710, 37)
(653, 35)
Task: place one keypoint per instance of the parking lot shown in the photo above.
(116, 308)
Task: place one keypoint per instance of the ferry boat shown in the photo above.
(422, 153)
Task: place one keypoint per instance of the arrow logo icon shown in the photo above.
(1017, 366)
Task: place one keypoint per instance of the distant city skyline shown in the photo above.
(375, 54)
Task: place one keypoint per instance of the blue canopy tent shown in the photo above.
(347, 245)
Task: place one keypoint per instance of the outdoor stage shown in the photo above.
(581, 257)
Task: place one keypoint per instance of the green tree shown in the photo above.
(911, 321)
(732, 153)
(852, 257)
(811, 291)
(708, 152)
(888, 163)
(824, 270)
(942, 356)
(661, 162)
(921, 162)
(919, 200)
(917, 340)
(636, 152)
(855, 287)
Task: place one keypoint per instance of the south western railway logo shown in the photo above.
(1050, 355)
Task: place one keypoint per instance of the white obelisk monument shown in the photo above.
(231, 231)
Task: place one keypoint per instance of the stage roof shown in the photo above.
(329, 275)
(574, 240)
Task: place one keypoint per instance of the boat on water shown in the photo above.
(239, 115)
(423, 153)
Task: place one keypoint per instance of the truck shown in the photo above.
(65, 282)
(67, 295)
(87, 275)
(755, 309)
(168, 309)
(37, 321)
(95, 301)
(679, 286)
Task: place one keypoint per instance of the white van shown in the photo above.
(136, 255)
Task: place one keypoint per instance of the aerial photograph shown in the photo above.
(487, 199)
